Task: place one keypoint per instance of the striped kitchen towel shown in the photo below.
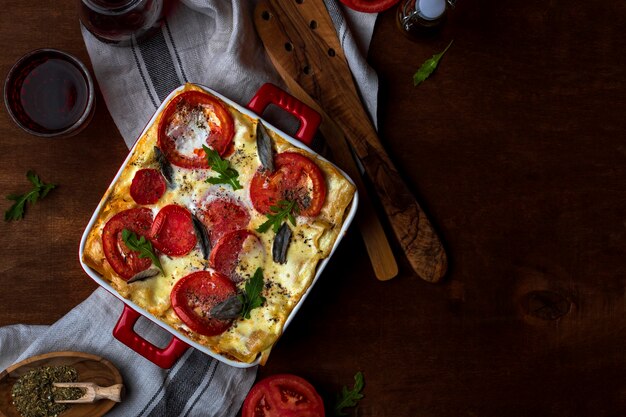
(210, 42)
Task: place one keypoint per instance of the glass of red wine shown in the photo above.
(49, 93)
(117, 21)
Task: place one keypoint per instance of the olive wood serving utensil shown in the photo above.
(90, 367)
(92, 393)
(300, 38)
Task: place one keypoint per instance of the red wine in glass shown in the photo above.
(49, 93)
(116, 21)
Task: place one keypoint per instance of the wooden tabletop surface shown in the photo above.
(515, 147)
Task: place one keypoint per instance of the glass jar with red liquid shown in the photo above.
(117, 21)
(49, 93)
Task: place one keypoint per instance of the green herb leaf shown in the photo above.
(251, 298)
(227, 174)
(39, 191)
(143, 246)
(428, 67)
(284, 209)
(349, 398)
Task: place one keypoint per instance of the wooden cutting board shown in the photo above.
(301, 40)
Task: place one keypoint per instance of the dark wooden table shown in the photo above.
(516, 148)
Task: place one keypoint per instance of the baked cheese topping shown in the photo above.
(284, 284)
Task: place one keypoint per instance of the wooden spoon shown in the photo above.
(90, 367)
(301, 39)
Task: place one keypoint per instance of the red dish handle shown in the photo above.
(125, 333)
(309, 118)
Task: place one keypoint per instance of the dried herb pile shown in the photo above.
(33, 393)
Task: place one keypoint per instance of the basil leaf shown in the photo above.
(228, 309)
(165, 166)
(428, 67)
(202, 235)
(264, 147)
(281, 244)
(145, 274)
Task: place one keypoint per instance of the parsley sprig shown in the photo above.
(284, 209)
(227, 174)
(39, 191)
(349, 398)
(251, 298)
(143, 246)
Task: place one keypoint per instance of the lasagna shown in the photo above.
(216, 224)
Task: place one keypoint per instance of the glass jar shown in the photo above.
(422, 17)
(117, 21)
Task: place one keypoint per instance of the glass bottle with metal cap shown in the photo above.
(421, 17)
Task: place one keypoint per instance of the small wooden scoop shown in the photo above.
(93, 392)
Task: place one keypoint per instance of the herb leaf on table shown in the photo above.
(39, 191)
(349, 398)
(428, 67)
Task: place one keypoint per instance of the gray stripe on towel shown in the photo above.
(183, 385)
(169, 375)
(173, 45)
(160, 65)
(141, 72)
(201, 393)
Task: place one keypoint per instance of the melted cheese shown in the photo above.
(312, 239)
(190, 129)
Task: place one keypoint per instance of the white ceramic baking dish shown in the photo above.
(166, 357)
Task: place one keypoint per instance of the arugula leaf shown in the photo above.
(39, 191)
(143, 246)
(284, 209)
(228, 175)
(251, 298)
(428, 67)
(349, 398)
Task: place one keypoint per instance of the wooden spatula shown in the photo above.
(301, 40)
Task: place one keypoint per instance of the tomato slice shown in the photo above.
(190, 120)
(222, 216)
(369, 6)
(237, 254)
(196, 294)
(147, 187)
(283, 395)
(125, 262)
(296, 177)
(172, 231)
